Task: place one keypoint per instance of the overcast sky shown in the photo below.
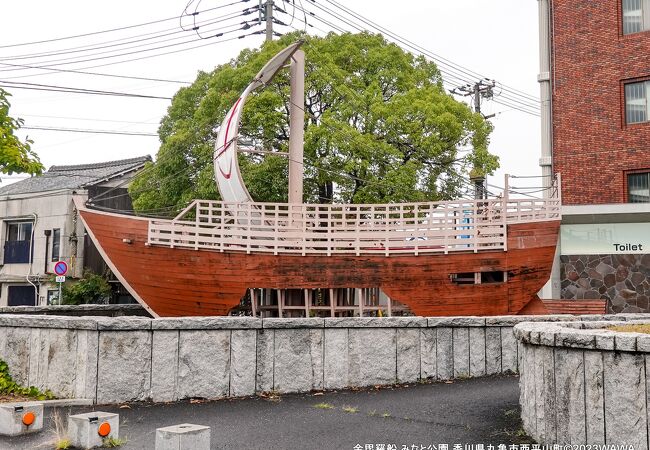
(496, 39)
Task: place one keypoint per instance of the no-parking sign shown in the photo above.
(60, 268)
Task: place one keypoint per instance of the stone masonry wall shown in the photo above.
(582, 384)
(622, 280)
(112, 360)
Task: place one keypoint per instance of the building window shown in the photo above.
(52, 297)
(18, 243)
(638, 187)
(478, 277)
(636, 102)
(56, 244)
(636, 16)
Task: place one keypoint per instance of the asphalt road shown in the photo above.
(483, 410)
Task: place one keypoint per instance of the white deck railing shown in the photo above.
(414, 228)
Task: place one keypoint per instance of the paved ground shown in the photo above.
(481, 410)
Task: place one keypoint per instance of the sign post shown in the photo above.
(60, 269)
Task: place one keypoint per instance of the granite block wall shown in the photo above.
(115, 360)
(582, 384)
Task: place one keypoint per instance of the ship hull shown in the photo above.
(185, 282)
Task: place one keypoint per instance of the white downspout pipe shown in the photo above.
(31, 263)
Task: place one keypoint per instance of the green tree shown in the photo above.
(15, 155)
(379, 127)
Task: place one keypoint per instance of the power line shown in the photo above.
(52, 69)
(73, 90)
(128, 40)
(170, 52)
(114, 29)
(452, 70)
(134, 50)
(79, 130)
(88, 119)
(463, 69)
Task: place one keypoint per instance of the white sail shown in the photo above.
(226, 167)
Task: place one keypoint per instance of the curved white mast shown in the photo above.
(226, 167)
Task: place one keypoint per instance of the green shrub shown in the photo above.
(92, 288)
(8, 386)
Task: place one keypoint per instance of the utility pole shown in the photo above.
(267, 7)
(482, 89)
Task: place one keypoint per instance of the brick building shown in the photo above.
(595, 86)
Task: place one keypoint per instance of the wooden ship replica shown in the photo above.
(467, 257)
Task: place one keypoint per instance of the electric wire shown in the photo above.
(113, 29)
(128, 40)
(74, 90)
(450, 70)
(465, 70)
(66, 61)
(79, 130)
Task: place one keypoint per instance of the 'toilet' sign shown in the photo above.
(605, 239)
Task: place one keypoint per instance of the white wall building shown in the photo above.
(39, 225)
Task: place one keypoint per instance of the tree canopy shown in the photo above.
(379, 128)
(15, 155)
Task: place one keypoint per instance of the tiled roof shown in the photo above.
(73, 177)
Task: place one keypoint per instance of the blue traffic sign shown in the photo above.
(60, 268)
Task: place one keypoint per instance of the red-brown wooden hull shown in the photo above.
(182, 282)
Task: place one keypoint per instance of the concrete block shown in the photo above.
(17, 354)
(123, 323)
(476, 352)
(461, 352)
(204, 363)
(445, 353)
(375, 322)
(56, 359)
(428, 357)
(372, 356)
(164, 366)
(265, 356)
(298, 322)
(546, 408)
(207, 323)
(604, 339)
(316, 354)
(20, 418)
(625, 342)
(643, 343)
(86, 364)
(505, 321)
(124, 366)
(35, 321)
(335, 369)
(508, 351)
(408, 355)
(594, 398)
(242, 362)
(527, 389)
(292, 367)
(36, 350)
(570, 396)
(625, 402)
(493, 350)
(84, 429)
(575, 339)
(456, 321)
(185, 436)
